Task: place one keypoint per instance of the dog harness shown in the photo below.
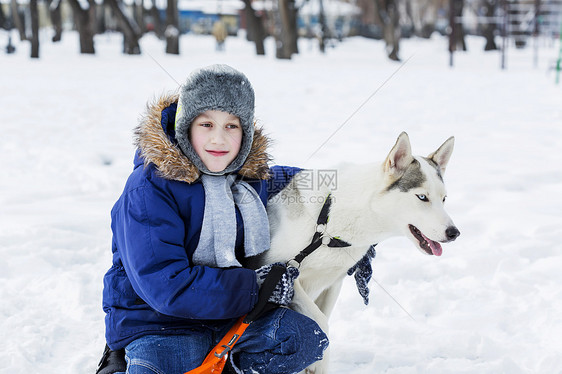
(320, 237)
(362, 270)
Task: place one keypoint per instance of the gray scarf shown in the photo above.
(218, 234)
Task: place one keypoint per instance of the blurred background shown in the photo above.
(521, 23)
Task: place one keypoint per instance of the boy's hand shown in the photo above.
(284, 291)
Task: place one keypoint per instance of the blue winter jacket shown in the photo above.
(153, 287)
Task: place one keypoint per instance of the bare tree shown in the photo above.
(85, 20)
(292, 26)
(287, 35)
(56, 18)
(34, 28)
(387, 11)
(131, 31)
(102, 16)
(456, 39)
(157, 22)
(3, 19)
(489, 27)
(254, 27)
(138, 15)
(18, 19)
(323, 27)
(172, 31)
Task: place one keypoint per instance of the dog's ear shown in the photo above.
(443, 154)
(400, 156)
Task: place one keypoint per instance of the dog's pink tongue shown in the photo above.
(435, 248)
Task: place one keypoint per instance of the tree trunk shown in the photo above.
(282, 49)
(460, 34)
(293, 27)
(3, 19)
(138, 15)
(387, 11)
(254, 27)
(85, 23)
(56, 18)
(287, 34)
(489, 28)
(130, 29)
(101, 19)
(17, 19)
(456, 40)
(172, 32)
(155, 13)
(34, 29)
(323, 28)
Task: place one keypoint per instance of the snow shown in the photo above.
(491, 304)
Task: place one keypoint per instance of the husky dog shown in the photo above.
(403, 196)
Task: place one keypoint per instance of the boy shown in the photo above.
(192, 210)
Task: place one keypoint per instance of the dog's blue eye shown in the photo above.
(423, 198)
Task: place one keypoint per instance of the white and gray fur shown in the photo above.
(370, 204)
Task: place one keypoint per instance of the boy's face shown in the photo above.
(216, 137)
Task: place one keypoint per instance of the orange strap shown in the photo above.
(216, 359)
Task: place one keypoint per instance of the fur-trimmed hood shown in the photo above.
(155, 140)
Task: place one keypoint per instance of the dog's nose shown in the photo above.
(452, 233)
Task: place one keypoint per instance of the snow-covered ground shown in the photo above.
(491, 304)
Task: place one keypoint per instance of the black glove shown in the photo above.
(284, 291)
(363, 273)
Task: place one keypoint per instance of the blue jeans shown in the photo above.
(280, 342)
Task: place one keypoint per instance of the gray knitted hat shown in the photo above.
(215, 87)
